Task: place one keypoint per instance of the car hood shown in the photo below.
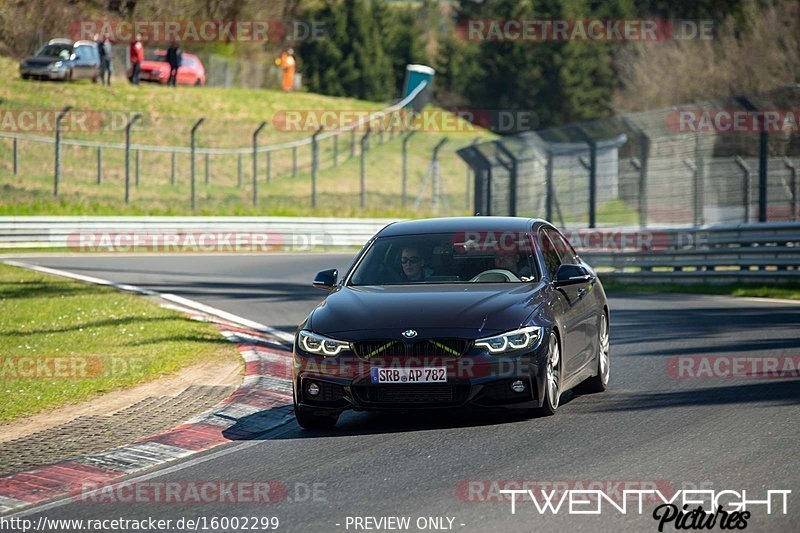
(43, 60)
(472, 310)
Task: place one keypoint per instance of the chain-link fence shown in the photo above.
(721, 161)
(98, 162)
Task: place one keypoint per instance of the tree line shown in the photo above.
(369, 42)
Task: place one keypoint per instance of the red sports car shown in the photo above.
(155, 68)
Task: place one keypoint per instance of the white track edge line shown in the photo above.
(186, 302)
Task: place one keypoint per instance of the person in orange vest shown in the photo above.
(287, 63)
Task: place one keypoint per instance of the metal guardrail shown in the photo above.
(56, 232)
(768, 252)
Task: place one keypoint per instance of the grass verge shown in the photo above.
(231, 115)
(63, 341)
(783, 291)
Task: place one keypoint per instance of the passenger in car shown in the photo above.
(510, 259)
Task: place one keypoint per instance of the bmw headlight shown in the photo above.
(513, 340)
(57, 64)
(319, 344)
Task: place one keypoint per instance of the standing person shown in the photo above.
(174, 58)
(137, 56)
(104, 49)
(287, 63)
(99, 44)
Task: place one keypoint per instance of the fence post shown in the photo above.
(255, 162)
(592, 168)
(470, 174)
(136, 167)
(437, 176)
(336, 150)
(352, 143)
(239, 171)
(746, 186)
(763, 141)
(133, 119)
(405, 165)
(208, 168)
(696, 218)
(193, 169)
(314, 165)
(364, 148)
(512, 178)
(15, 150)
(644, 156)
(294, 161)
(172, 169)
(99, 165)
(794, 192)
(57, 176)
(269, 167)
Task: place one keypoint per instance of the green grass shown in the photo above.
(790, 291)
(232, 115)
(616, 211)
(116, 340)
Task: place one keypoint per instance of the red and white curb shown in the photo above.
(263, 402)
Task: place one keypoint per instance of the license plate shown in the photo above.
(436, 374)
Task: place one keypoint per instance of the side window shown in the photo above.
(551, 259)
(565, 252)
(84, 53)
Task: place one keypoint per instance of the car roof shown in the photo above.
(90, 43)
(60, 40)
(456, 224)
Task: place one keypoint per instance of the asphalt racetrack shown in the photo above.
(654, 426)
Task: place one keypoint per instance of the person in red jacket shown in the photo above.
(137, 56)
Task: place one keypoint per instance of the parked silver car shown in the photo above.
(63, 59)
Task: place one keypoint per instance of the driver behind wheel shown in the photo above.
(510, 260)
(413, 265)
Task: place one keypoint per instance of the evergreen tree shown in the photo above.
(349, 60)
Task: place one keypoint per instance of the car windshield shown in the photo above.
(55, 50)
(465, 257)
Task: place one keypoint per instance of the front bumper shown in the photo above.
(483, 380)
(154, 76)
(47, 73)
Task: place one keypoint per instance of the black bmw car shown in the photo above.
(436, 313)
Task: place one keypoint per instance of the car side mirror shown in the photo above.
(572, 275)
(326, 279)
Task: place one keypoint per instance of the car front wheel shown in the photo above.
(552, 383)
(599, 383)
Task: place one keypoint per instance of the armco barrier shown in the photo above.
(768, 252)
